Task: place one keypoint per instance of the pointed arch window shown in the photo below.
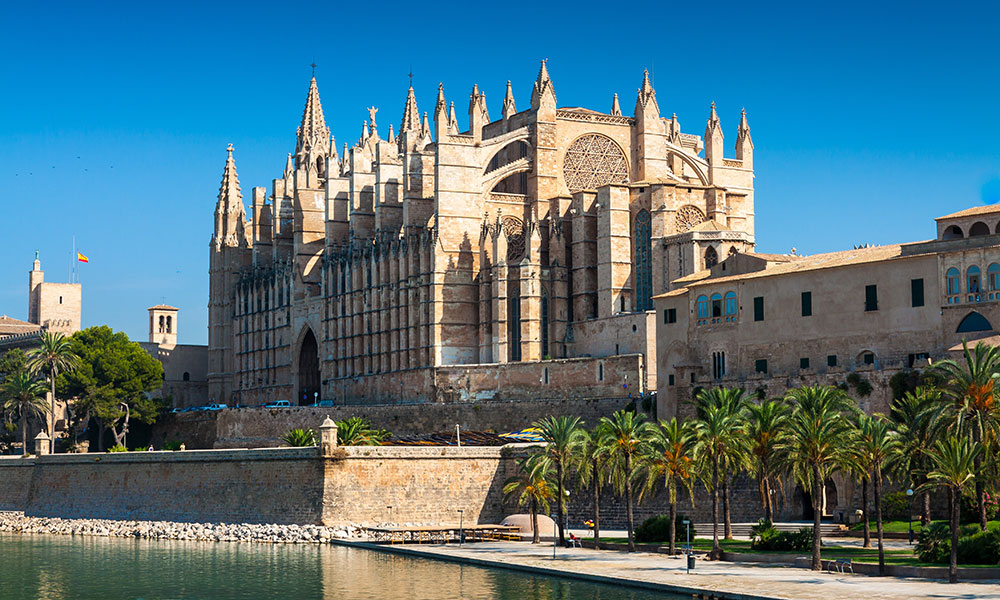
(643, 266)
(974, 322)
(711, 257)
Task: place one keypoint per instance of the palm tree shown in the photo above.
(358, 431)
(621, 444)
(718, 433)
(877, 445)
(53, 355)
(917, 420)
(531, 486)
(670, 459)
(953, 463)
(562, 435)
(766, 423)
(592, 470)
(818, 442)
(972, 388)
(25, 396)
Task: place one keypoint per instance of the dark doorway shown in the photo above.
(308, 370)
(805, 499)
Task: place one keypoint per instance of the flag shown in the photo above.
(82, 258)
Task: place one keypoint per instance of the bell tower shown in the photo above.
(163, 325)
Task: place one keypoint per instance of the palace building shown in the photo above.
(515, 256)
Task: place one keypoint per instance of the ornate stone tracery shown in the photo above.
(594, 160)
(688, 216)
(513, 228)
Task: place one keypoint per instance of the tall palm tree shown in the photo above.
(592, 471)
(917, 419)
(971, 386)
(53, 355)
(531, 486)
(622, 443)
(26, 396)
(718, 437)
(818, 443)
(952, 465)
(562, 435)
(877, 445)
(669, 458)
(765, 433)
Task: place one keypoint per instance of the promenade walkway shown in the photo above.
(723, 579)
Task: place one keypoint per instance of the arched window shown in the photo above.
(162, 326)
(979, 228)
(186, 376)
(643, 267)
(974, 322)
(711, 257)
(545, 325)
(716, 305)
(867, 357)
(952, 232)
(730, 301)
(993, 272)
(701, 307)
(951, 280)
(170, 324)
(973, 279)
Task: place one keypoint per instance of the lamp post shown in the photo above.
(555, 536)
(566, 512)
(461, 523)
(687, 526)
(909, 515)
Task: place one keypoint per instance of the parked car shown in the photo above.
(177, 410)
(278, 404)
(322, 403)
(216, 406)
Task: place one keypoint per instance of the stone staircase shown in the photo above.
(743, 529)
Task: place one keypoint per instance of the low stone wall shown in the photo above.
(354, 487)
(261, 427)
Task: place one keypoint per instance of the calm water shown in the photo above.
(83, 568)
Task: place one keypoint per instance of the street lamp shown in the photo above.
(687, 526)
(909, 516)
(566, 512)
(555, 537)
(461, 523)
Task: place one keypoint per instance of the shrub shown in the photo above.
(300, 437)
(975, 547)
(970, 506)
(980, 548)
(657, 529)
(934, 543)
(765, 536)
(172, 445)
(896, 506)
(117, 448)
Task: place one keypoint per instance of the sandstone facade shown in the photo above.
(540, 235)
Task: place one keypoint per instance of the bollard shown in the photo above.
(690, 558)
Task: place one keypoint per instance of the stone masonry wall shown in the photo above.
(15, 480)
(259, 427)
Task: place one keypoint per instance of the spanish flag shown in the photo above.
(82, 258)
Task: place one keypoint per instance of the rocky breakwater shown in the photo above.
(17, 522)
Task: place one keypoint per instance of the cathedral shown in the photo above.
(515, 256)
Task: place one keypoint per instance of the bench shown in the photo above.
(839, 564)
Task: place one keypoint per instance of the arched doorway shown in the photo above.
(308, 369)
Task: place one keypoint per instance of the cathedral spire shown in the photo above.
(441, 122)
(543, 91)
(713, 138)
(230, 215)
(616, 109)
(646, 100)
(744, 143)
(411, 116)
(229, 190)
(508, 103)
(313, 134)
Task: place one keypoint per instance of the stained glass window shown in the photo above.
(643, 268)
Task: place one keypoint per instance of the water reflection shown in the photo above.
(84, 568)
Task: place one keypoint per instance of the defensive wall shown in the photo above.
(262, 427)
(274, 485)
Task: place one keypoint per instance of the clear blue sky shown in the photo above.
(867, 121)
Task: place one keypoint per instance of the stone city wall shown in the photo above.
(261, 427)
(15, 480)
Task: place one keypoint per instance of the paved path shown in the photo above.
(668, 574)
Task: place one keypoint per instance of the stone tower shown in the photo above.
(163, 325)
(54, 306)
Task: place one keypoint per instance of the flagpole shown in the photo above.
(75, 268)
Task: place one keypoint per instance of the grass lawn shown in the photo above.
(902, 526)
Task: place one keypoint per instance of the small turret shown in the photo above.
(543, 94)
(713, 139)
(411, 116)
(441, 120)
(616, 109)
(509, 109)
(452, 120)
(479, 116)
(645, 104)
(744, 144)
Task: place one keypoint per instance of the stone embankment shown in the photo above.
(17, 522)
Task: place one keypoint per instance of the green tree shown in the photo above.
(818, 442)
(53, 356)
(532, 486)
(112, 381)
(669, 457)
(625, 433)
(953, 464)
(765, 433)
(720, 439)
(25, 396)
(359, 431)
(300, 437)
(592, 471)
(562, 435)
(971, 386)
(876, 446)
(917, 419)
(11, 362)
